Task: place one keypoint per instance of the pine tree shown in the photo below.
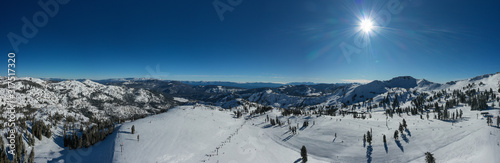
(429, 158)
(395, 103)
(369, 137)
(396, 134)
(385, 141)
(303, 153)
(498, 121)
(3, 155)
(32, 156)
(489, 121)
(404, 122)
(133, 129)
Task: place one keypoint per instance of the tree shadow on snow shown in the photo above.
(385, 146)
(457, 120)
(298, 160)
(124, 132)
(287, 138)
(399, 145)
(369, 151)
(285, 133)
(59, 140)
(302, 128)
(267, 126)
(408, 132)
(405, 138)
(261, 123)
(334, 140)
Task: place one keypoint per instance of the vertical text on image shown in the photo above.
(11, 122)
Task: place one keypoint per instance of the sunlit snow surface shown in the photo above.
(193, 134)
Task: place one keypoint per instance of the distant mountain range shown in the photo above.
(246, 85)
(130, 97)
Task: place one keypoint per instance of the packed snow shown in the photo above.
(211, 134)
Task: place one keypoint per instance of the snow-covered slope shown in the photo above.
(195, 133)
(376, 90)
(211, 134)
(86, 97)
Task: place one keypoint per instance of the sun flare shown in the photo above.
(366, 25)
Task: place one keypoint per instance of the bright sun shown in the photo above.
(366, 25)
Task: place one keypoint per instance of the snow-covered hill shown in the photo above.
(86, 97)
(211, 134)
(207, 130)
(356, 93)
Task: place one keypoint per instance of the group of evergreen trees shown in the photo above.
(291, 111)
(23, 136)
(274, 121)
(39, 128)
(293, 129)
(20, 152)
(237, 113)
(444, 114)
(86, 136)
(489, 120)
(261, 110)
(478, 100)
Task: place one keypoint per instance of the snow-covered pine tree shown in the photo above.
(32, 156)
(369, 137)
(303, 153)
(498, 121)
(404, 122)
(429, 158)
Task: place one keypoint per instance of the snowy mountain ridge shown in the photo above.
(216, 108)
(104, 101)
(284, 96)
(307, 95)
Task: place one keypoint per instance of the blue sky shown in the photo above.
(259, 40)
